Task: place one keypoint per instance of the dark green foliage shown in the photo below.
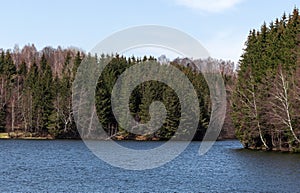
(29, 92)
(143, 96)
(2, 119)
(36, 95)
(264, 97)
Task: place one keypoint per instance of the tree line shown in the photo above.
(36, 93)
(36, 90)
(263, 94)
(266, 95)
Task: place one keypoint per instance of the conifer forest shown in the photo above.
(263, 91)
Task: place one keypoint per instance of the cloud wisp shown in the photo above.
(213, 6)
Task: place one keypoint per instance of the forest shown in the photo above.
(266, 96)
(263, 92)
(36, 94)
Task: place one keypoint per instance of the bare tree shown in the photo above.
(281, 103)
(248, 97)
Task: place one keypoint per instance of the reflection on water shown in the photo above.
(57, 166)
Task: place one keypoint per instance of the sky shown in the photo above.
(221, 26)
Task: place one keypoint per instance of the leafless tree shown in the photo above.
(281, 105)
(249, 99)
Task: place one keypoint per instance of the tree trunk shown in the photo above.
(13, 114)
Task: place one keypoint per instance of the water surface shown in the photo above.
(69, 166)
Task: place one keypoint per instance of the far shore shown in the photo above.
(31, 136)
(21, 135)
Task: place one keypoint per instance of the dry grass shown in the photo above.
(4, 136)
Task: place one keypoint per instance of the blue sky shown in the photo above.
(221, 26)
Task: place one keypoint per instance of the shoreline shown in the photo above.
(23, 136)
(28, 136)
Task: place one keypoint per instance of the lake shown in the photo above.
(69, 166)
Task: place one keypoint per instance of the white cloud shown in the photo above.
(209, 5)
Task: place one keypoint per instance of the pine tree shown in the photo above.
(267, 50)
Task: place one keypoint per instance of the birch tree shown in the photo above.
(282, 111)
(249, 112)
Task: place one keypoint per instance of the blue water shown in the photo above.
(69, 166)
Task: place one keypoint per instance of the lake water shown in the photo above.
(68, 166)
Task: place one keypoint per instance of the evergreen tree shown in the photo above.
(266, 51)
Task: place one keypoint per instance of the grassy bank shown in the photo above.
(22, 135)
